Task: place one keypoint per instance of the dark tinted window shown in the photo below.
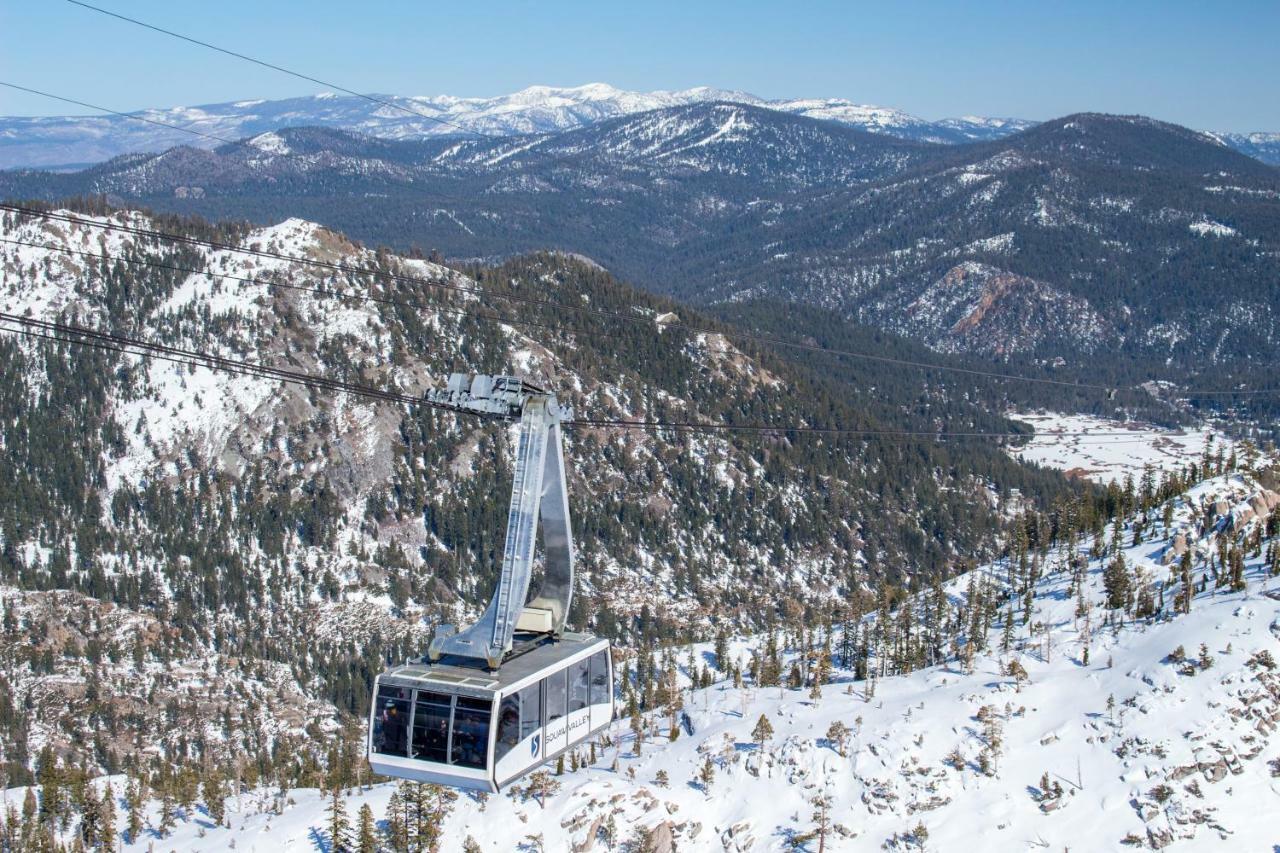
(555, 696)
(530, 710)
(579, 684)
(431, 727)
(470, 732)
(508, 726)
(600, 690)
(391, 721)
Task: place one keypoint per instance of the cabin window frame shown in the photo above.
(602, 691)
(448, 732)
(580, 667)
(474, 711)
(407, 715)
(563, 675)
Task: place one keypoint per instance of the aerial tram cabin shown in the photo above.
(492, 702)
(454, 723)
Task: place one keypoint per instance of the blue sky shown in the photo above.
(1212, 66)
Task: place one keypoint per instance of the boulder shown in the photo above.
(660, 839)
(1272, 499)
(1176, 549)
(1259, 505)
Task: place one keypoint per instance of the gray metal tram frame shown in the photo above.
(508, 753)
(519, 640)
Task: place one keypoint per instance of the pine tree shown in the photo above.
(542, 785)
(51, 795)
(338, 825)
(1117, 584)
(397, 823)
(366, 831)
(722, 650)
(134, 796)
(107, 818)
(838, 733)
(90, 813)
(637, 729)
(1187, 592)
(441, 801)
(821, 675)
(821, 819)
(795, 677)
(920, 835)
(707, 774)
(1236, 561)
(168, 810)
(214, 793)
(762, 732)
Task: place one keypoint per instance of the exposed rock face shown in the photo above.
(1240, 516)
(976, 307)
(588, 841)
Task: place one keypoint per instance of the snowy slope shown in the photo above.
(1137, 747)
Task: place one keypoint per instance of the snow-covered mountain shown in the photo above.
(1264, 146)
(1074, 705)
(55, 141)
(1081, 234)
(314, 532)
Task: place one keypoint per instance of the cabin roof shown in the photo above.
(467, 676)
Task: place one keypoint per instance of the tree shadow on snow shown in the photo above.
(320, 841)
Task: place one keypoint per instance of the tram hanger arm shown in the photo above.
(539, 493)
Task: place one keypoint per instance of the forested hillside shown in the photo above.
(289, 538)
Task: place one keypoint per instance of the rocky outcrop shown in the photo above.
(661, 839)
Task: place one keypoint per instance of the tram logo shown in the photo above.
(535, 744)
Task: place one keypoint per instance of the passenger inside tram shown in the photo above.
(392, 722)
(470, 732)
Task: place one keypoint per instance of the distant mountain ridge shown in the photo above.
(62, 141)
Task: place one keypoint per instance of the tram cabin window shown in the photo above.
(431, 727)
(530, 710)
(508, 725)
(579, 684)
(555, 695)
(470, 741)
(391, 723)
(600, 678)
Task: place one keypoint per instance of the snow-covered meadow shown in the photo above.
(1104, 450)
